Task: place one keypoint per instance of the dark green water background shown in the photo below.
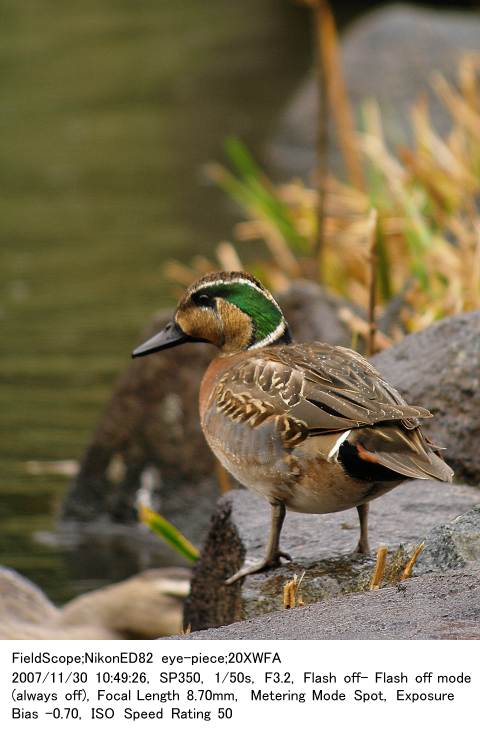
(109, 110)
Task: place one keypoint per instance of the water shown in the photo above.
(109, 110)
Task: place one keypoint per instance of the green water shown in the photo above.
(109, 110)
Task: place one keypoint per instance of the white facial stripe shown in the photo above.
(241, 281)
(271, 337)
(334, 451)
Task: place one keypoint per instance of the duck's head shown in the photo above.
(231, 310)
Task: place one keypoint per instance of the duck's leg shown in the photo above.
(273, 553)
(363, 548)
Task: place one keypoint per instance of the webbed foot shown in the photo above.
(267, 563)
(363, 548)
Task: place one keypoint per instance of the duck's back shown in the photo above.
(272, 412)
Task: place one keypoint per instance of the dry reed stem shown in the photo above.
(337, 92)
(291, 595)
(359, 325)
(379, 568)
(228, 258)
(279, 249)
(321, 140)
(409, 566)
(462, 113)
(178, 273)
(339, 101)
(332, 98)
(467, 78)
(372, 281)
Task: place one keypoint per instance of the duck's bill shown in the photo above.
(171, 335)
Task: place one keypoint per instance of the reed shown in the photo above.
(427, 228)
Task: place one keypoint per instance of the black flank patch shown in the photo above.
(357, 468)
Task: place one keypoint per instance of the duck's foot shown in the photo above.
(363, 548)
(267, 563)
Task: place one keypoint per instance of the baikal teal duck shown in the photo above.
(312, 427)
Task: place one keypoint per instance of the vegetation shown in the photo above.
(168, 533)
(425, 196)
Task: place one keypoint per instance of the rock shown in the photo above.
(27, 613)
(439, 368)
(146, 606)
(312, 313)
(321, 546)
(153, 412)
(143, 607)
(436, 606)
(12, 630)
(22, 601)
(452, 545)
(388, 54)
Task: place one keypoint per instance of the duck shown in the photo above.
(312, 427)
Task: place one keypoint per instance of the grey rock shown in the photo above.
(23, 601)
(439, 368)
(145, 606)
(388, 54)
(436, 606)
(313, 313)
(452, 545)
(321, 546)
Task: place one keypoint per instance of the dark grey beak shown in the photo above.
(171, 335)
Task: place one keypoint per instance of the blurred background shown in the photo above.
(110, 111)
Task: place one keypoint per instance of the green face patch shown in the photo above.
(265, 314)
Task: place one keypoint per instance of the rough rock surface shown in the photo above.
(436, 606)
(320, 545)
(439, 368)
(150, 434)
(142, 607)
(452, 545)
(388, 54)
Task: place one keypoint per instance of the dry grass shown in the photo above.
(379, 568)
(427, 233)
(291, 592)
(390, 571)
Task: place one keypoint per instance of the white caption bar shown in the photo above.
(225, 686)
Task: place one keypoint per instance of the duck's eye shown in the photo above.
(203, 299)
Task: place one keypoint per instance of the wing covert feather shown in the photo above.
(326, 388)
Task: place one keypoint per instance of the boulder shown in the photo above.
(322, 546)
(22, 601)
(388, 54)
(142, 607)
(452, 545)
(436, 606)
(439, 368)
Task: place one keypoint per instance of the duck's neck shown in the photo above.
(281, 335)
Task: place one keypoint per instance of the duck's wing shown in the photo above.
(325, 388)
(405, 452)
(333, 403)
